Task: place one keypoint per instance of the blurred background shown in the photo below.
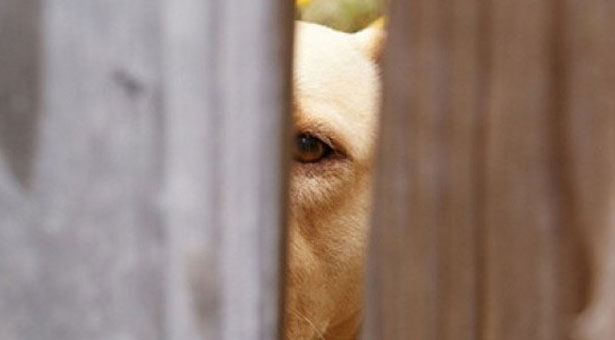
(343, 15)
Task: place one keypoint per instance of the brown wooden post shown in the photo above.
(497, 129)
(588, 143)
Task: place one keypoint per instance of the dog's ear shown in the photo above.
(371, 40)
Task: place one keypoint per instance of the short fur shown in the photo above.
(337, 97)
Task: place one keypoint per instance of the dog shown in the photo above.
(336, 99)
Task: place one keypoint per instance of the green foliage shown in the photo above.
(343, 15)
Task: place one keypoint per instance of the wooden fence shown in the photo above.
(501, 181)
(142, 169)
(141, 158)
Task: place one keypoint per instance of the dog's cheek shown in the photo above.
(305, 315)
(322, 191)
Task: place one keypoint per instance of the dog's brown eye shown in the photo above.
(309, 149)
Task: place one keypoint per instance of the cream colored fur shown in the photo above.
(336, 97)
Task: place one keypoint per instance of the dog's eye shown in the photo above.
(309, 149)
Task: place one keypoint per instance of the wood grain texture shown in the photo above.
(521, 193)
(142, 183)
(228, 93)
(494, 189)
(589, 128)
(423, 257)
(82, 245)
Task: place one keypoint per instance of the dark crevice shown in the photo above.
(20, 32)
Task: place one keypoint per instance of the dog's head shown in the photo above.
(336, 101)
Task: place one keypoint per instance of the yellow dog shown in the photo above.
(336, 101)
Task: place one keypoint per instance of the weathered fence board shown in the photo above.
(228, 93)
(82, 253)
(425, 211)
(142, 168)
(520, 211)
(589, 146)
(496, 160)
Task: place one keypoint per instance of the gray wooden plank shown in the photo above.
(228, 88)
(139, 224)
(83, 247)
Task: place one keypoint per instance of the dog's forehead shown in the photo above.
(336, 85)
